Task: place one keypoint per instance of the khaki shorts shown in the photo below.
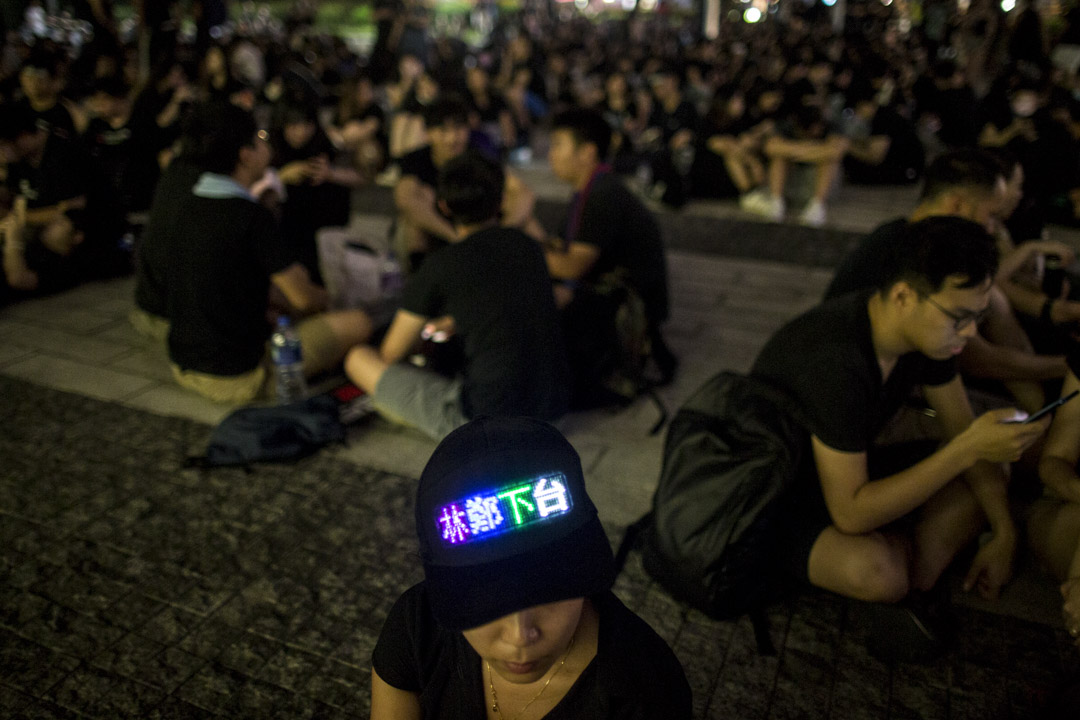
(321, 351)
(149, 325)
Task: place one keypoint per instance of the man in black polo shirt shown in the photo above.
(493, 284)
(608, 229)
(873, 525)
(225, 257)
(421, 225)
(970, 185)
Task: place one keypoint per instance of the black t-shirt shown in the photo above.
(684, 117)
(65, 172)
(222, 258)
(825, 361)
(127, 158)
(155, 254)
(496, 286)
(55, 120)
(614, 220)
(419, 164)
(634, 675)
(1073, 360)
(865, 266)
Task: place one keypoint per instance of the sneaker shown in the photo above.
(813, 214)
(762, 203)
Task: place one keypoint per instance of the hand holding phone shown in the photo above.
(1048, 408)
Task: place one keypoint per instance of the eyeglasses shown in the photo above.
(961, 321)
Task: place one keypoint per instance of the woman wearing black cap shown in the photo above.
(515, 618)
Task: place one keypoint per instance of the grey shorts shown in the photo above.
(419, 398)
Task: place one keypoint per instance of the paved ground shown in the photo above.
(130, 588)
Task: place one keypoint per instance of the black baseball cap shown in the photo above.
(504, 523)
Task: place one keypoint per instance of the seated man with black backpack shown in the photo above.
(609, 239)
(876, 524)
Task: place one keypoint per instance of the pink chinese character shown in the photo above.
(454, 530)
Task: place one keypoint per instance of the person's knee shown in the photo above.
(880, 575)
(364, 366)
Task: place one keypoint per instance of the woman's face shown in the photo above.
(523, 646)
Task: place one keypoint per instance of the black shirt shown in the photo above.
(825, 361)
(222, 258)
(865, 266)
(634, 675)
(152, 262)
(496, 286)
(614, 220)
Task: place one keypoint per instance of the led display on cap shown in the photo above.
(506, 509)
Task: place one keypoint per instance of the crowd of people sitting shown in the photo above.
(211, 176)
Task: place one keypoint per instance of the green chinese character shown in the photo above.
(513, 497)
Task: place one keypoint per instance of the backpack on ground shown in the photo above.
(609, 345)
(714, 534)
(273, 433)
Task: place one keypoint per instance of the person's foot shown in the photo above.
(813, 214)
(904, 632)
(764, 204)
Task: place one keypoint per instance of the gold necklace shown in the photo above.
(495, 696)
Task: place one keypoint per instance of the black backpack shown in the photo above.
(609, 346)
(273, 433)
(714, 534)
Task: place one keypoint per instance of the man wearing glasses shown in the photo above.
(882, 524)
(967, 184)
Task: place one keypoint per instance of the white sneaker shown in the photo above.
(762, 203)
(813, 214)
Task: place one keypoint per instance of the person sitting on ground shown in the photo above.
(883, 146)
(877, 524)
(421, 227)
(515, 616)
(671, 131)
(225, 257)
(802, 139)
(1024, 276)
(359, 127)
(491, 286)
(72, 224)
(729, 163)
(1053, 521)
(608, 230)
(41, 80)
(317, 187)
(966, 184)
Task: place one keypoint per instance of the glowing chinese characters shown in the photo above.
(503, 510)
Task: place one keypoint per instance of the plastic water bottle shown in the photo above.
(288, 363)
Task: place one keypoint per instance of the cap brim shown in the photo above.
(579, 564)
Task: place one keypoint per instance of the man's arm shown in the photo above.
(573, 262)
(858, 506)
(416, 202)
(304, 296)
(982, 358)
(518, 202)
(401, 338)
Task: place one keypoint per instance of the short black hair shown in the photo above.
(587, 126)
(447, 108)
(471, 186)
(931, 251)
(968, 168)
(226, 129)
